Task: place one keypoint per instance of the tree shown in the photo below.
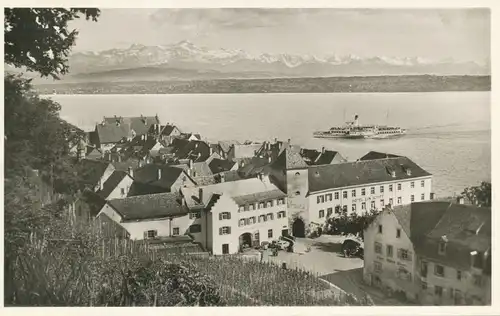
(39, 39)
(350, 224)
(479, 195)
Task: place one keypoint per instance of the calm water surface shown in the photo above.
(448, 133)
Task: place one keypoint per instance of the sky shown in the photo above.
(458, 34)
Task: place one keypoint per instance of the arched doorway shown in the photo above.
(245, 239)
(299, 228)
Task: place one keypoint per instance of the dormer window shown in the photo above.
(442, 245)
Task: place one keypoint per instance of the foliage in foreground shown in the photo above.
(77, 269)
(247, 282)
(479, 195)
(39, 38)
(350, 224)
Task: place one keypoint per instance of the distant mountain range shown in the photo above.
(186, 61)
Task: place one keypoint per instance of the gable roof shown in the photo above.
(111, 183)
(309, 155)
(289, 160)
(254, 166)
(168, 129)
(236, 189)
(138, 188)
(124, 165)
(245, 151)
(327, 157)
(94, 202)
(225, 145)
(149, 174)
(340, 175)
(113, 129)
(152, 206)
(324, 157)
(92, 170)
(377, 155)
(195, 150)
(108, 133)
(467, 228)
(220, 165)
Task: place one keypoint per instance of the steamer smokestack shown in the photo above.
(356, 123)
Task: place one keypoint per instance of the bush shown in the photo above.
(70, 265)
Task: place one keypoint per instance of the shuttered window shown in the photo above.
(224, 215)
(226, 230)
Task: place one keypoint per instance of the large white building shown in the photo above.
(318, 192)
(221, 217)
(236, 213)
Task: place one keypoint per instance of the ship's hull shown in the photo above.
(361, 136)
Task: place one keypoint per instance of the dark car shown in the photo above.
(352, 248)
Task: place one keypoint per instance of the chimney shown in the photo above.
(393, 173)
(200, 194)
(222, 177)
(211, 150)
(275, 140)
(322, 150)
(159, 173)
(460, 200)
(289, 141)
(190, 163)
(269, 159)
(131, 172)
(119, 158)
(101, 185)
(473, 258)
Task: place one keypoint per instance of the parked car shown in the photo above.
(279, 244)
(352, 248)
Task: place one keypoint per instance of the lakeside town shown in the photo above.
(136, 211)
(278, 202)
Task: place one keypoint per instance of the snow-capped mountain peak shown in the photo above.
(187, 55)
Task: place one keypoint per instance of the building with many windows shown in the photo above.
(436, 253)
(357, 187)
(240, 213)
(318, 192)
(222, 217)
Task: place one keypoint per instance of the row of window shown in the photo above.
(153, 233)
(401, 273)
(260, 205)
(381, 231)
(403, 254)
(438, 291)
(262, 218)
(329, 197)
(439, 270)
(339, 209)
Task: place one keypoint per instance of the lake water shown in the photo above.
(449, 133)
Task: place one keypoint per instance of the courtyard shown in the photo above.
(322, 256)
